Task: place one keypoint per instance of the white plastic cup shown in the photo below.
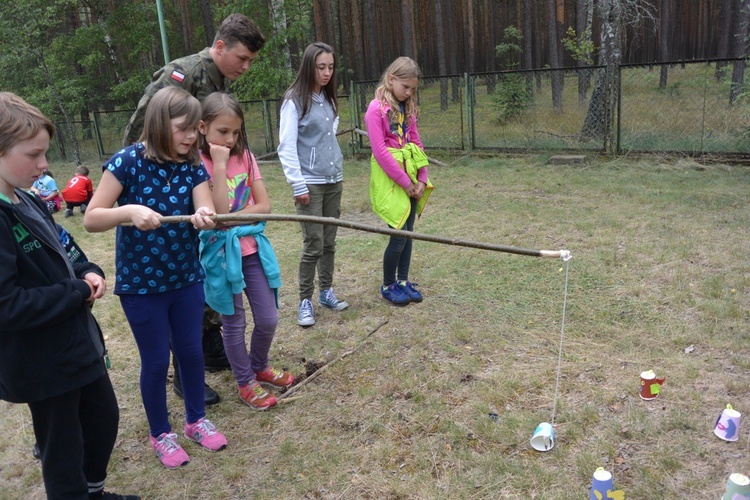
(738, 486)
(544, 437)
(728, 424)
(602, 483)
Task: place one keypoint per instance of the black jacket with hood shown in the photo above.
(49, 341)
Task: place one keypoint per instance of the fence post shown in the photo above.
(619, 109)
(703, 115)
(61, 142)
(97, 133)
(611, 96)
(354, 116)
(468, 132)
(270, 146)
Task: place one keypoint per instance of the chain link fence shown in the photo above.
(575, 109)
(690, 111)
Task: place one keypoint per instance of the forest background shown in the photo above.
(73, 58)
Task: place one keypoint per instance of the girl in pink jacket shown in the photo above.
(399, 186)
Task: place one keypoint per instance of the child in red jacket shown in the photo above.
(78, 191)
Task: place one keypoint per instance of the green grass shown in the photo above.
(659, 264)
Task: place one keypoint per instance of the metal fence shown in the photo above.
(691, 114)
(587, 109)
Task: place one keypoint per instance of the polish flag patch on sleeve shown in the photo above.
(176, 75)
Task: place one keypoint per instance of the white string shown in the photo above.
(559, 352)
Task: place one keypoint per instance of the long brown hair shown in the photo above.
(301, 88)
(402, 68)
(167, 104)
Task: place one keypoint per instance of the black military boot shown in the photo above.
(214, 356)
(211, 396)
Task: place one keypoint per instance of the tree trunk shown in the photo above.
(208, 21)
(356, 44)
(726, 33)
(596, 125)
(554, 55)
(488, 43)
(407, 28)
(323, 22)
(375, 65)
(63, 110)
(538, 60)
(469, 30)
(738, 71)
(187, 27)
(664, 55)
(528, 61)
(453, 54)
(584, 20)
(442, 63)
(346, 43)
(278, 18)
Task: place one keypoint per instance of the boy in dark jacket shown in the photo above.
(51, 348)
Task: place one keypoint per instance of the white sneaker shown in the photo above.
(329, 300)
(305, 316)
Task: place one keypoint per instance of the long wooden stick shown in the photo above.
(564, 254)
(327, 365)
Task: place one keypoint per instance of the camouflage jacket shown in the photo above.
(195, 73)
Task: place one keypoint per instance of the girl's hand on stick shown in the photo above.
(144, 218)
(201, 219)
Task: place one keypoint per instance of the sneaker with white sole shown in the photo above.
(171, 454)
(328, 299)
(305, 316)
(274, 378)
(205, 434)
(254, 396)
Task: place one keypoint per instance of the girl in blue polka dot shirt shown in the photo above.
(159, 278)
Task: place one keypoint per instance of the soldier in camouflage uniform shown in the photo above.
(234, 49)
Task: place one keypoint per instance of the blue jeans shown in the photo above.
(158, 320)
(265, 319)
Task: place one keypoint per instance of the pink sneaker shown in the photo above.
(171, 454)
(204, 433)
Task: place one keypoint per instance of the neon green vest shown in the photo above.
(389, 200)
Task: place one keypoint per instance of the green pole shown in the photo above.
(164, 46)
